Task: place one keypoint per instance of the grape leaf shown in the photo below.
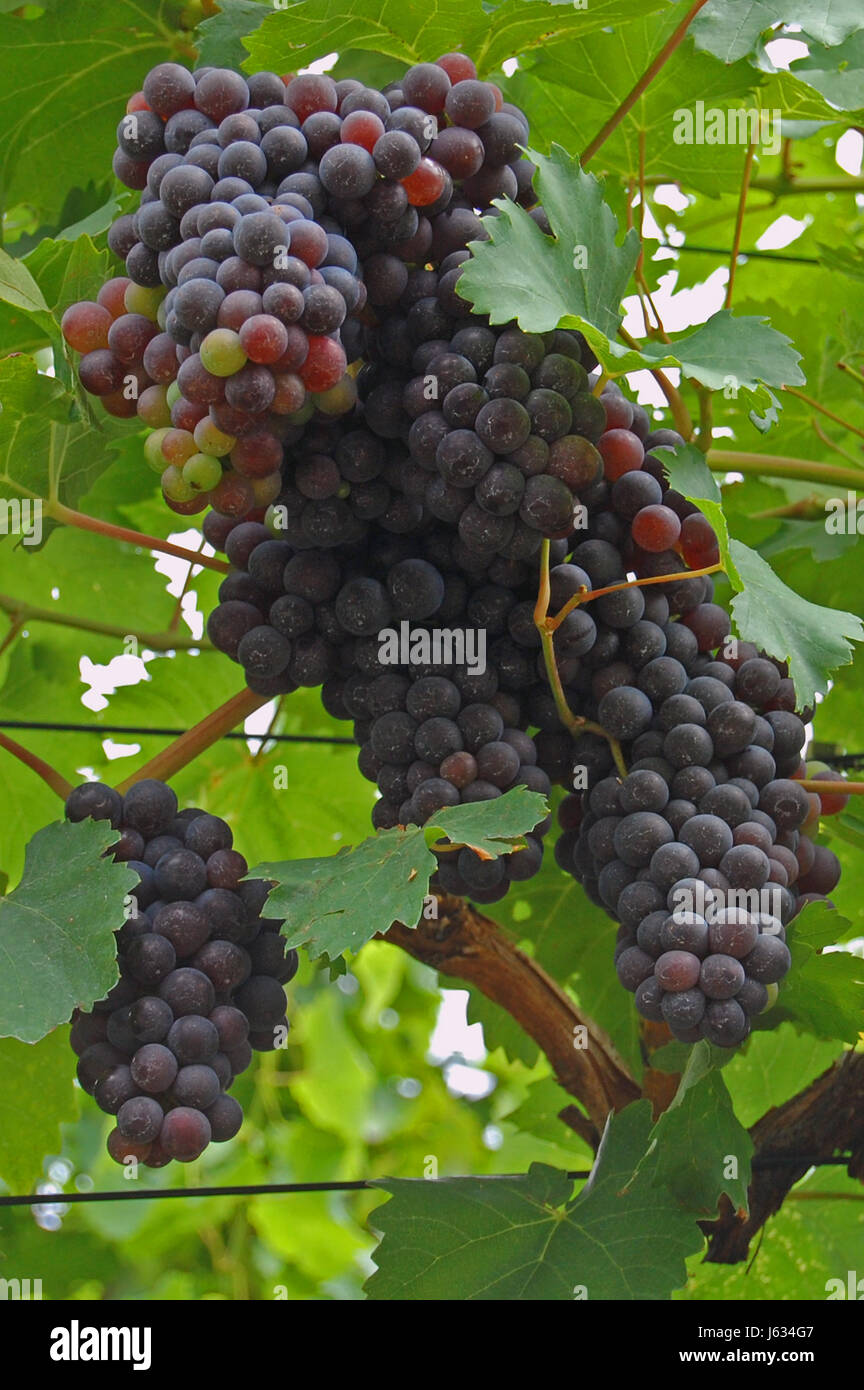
(798, 101)
(696, 1137)
(579, 274)
(336, 904)
(59, 115)
(690, 475)
(56, 942)
(577, 278)
(18, 288)
(732, 31)
(836, 73)
(220, 38)
(36, 1097)
(822, 994)
(47, 450)
(292, 38)
(527, 1239)
(604, 68)
(775, 1065)
(814, 640)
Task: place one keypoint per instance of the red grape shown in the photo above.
(656, 528)
(85, 326)
(622, 453)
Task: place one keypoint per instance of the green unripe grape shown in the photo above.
(173, 393)
(141, 300)
(303, 414)
(202, 472)
(339, 399)
(153, 456)
(773, 991)
(266, 490)
(162, 316)
(222, 352)
(153, 407)
(175, 486)
(211, 440)
(276, 520)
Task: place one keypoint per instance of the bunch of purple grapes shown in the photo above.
(378, 456)
(201, 979)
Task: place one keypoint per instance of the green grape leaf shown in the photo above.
(58, 115)
(814, 640)
(659, 136)
(220, 38)
(690, 475)
(36, 1097)
(529, 1239)
(338, 903)
(577, 277)
(295, 36)
(579, 274)
(701, 1149)
(798, 101)
(19, 289)
(500, 1029)
(47, 450)
(56, 942)
(823, 994)
(775, 1065)
(732, 31)
(836, 73)
(841, 258)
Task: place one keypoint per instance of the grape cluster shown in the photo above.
(201, 979)
(699, 851)
(378, 457)
(225, 336)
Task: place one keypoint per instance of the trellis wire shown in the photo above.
(47, 726)
(39, 1199)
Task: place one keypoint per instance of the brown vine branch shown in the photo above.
(197, 739)
(468, 946)
(69, 517)
(644, 82)
(22, 613)
(825, 1118)
(50, 776)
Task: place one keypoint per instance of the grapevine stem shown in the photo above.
(829, 442)
(739, 223)
(823, 410)
(574, 722)
(201, 736)
(21, 613)
(69, 517)
(586, 595)
(644, 81)
(49, 775)
(856, 375)
(816, 784)
(680, 413)
(600, 383)
(779, 466)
